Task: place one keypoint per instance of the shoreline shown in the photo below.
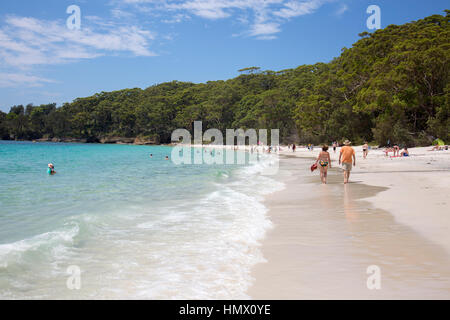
(325, 236)
(83, 141)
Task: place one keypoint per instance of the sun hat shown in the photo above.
(347, 142)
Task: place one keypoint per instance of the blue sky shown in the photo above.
(138, 43)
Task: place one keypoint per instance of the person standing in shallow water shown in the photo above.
(324, 162)
(345, 156)
(51, 169)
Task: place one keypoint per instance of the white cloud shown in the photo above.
(27, 42)
(264, 29)
(263, 18)
(205, 9)
(8, 80)
(177, 18)
(121, 14)
(342, 9)
(293, 9)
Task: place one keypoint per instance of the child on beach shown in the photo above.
(405, 152)
(324, 161)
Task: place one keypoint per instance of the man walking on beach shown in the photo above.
(346, 155)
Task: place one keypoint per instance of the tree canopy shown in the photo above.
(393, 84)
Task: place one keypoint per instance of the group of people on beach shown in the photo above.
(439, 148)
(347, 157)
(396, 151)
(268, 149)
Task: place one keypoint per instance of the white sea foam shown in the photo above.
(49, 241)
(225, 229)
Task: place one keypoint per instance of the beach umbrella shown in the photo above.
(438, 142)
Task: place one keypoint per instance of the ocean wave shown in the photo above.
(53, 243)
(218, 240)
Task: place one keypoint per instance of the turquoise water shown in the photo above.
(135, 226)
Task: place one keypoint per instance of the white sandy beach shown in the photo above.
(394, 214)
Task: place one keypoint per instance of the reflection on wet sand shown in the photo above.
(326, 237)
(351, 214)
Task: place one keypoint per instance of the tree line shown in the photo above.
(392, 84)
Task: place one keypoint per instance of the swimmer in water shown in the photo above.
(167, 157)
(151, 155)
(51, 169)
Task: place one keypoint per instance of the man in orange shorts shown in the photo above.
(345, 156)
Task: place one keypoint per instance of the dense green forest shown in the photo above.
(392, 84)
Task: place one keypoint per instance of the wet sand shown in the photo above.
(326, 236)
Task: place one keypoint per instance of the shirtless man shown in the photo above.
(345, 156)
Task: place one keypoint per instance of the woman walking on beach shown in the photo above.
(365, 150)
(324, 161)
